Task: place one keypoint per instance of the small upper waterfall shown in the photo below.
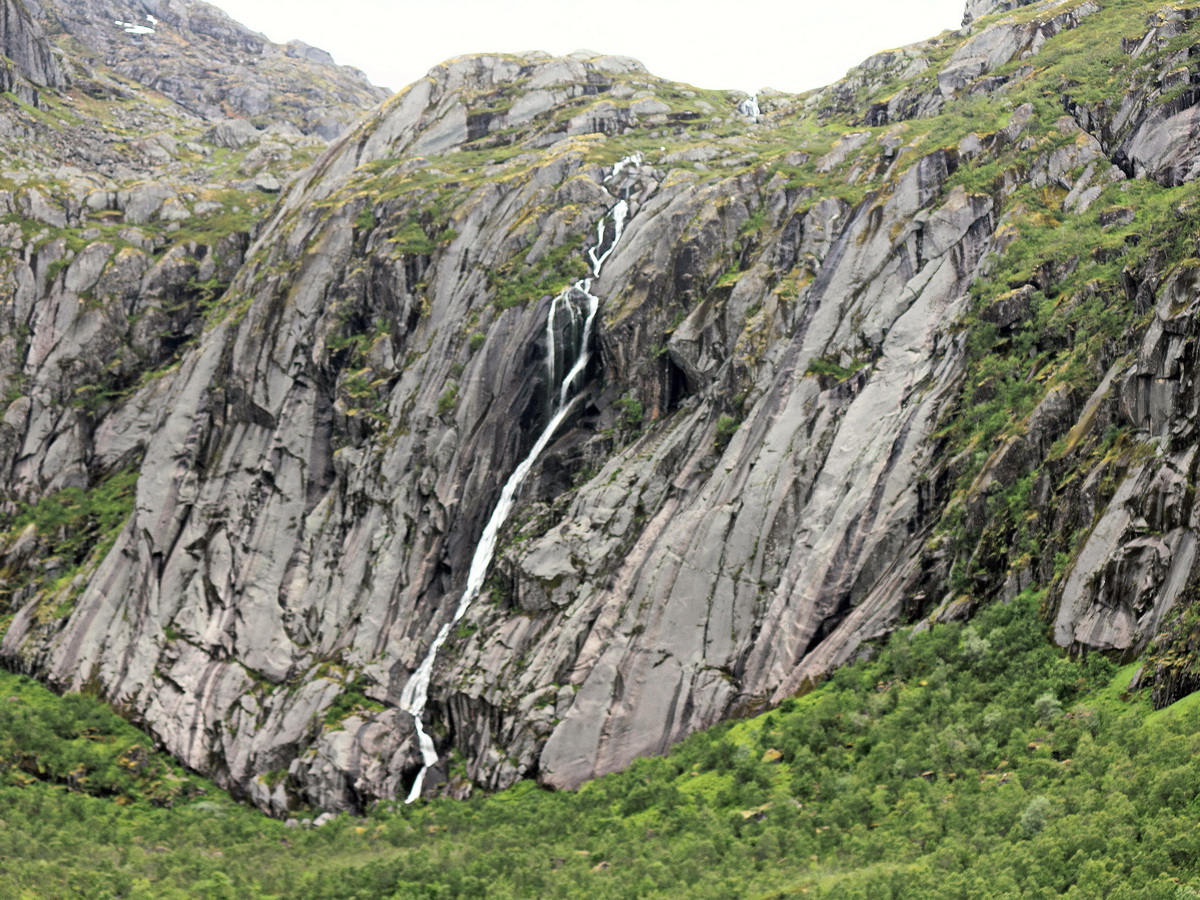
(568, 346)
(749, 108)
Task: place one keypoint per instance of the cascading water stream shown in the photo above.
(749, 107)
(416, 693)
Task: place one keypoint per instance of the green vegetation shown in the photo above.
(366, 220)
(411, 239)
(632, 411)
(517, 282)
(74, 526)
(353, 699)
(448, 401)
(349, 348)
(239, 212)
(73, 519)
(727, 426)
(822, 366)
(77, 745)
(962, 762)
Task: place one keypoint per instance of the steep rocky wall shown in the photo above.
(628, 612)
(119, 234)
(29, 60)
(915, 343)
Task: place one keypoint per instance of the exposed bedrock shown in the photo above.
(754, 482)
(293, 539)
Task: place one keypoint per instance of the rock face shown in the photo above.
(1005, 41)
(1141, 554)
(872, 358)
(28, 57)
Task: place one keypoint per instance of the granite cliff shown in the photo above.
(864, 358)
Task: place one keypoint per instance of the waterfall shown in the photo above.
(416, 693)
(749, 108)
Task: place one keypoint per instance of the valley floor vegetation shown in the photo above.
(972, 762)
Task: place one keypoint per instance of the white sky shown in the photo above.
(790, 45)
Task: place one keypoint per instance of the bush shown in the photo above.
(727, 426)
(448, 401)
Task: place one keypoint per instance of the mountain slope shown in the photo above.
(124, 215)
(209, 64)
(884, 352)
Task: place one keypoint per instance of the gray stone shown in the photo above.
(209, 64)
(977, 9)
(649, 106)
(143, 203)
(268, 182)
(23, 41)
(232, 133)
(1003, 42)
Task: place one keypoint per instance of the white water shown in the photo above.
(749, 107)
(416, 693)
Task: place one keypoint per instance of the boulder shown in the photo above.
(232, 133)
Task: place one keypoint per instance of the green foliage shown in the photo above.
(366, 220)
(78, 744)
(349, 348)
(1047, 708)
(239, 213)
(448, 400)
(55, 269)
(822, 366)
(75, 524)
(727, 426)
(517, 282)
(730, 276)
(755, 222)
(928, 773)
(632, 412)
(1033, 819)
(410, 239)
(352, 699)
(357, 386)
(207, 293)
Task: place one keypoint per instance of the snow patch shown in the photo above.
(133, 28)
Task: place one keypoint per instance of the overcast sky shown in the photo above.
(790, 45)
